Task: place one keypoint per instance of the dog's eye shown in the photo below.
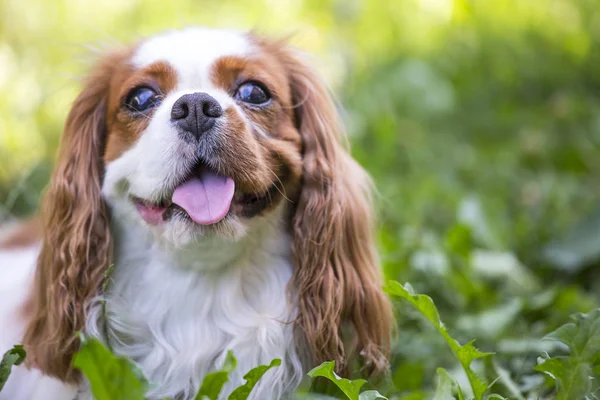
(253, 93)
(141, 99)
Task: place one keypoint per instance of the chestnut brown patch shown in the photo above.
(337, 277)
(228, 73)
(76, 244)
(269, 135)
(123, 127)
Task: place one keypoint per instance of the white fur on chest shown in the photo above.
(176, 311)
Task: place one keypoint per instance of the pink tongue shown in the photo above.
(206, 197)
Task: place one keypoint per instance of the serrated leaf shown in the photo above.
(582, 336)
(371, 395)
(446, 386)
(111, 377)
(252, 377)
(213, 382)
(14, 356)
(465, 353)
(574, 374)
(351, 388)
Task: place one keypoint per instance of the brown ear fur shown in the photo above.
(337, 274)
(76, 246)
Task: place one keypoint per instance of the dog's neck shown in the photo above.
(176, 310)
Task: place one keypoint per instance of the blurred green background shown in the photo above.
(479, 120)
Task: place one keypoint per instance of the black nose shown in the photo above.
(196, 113)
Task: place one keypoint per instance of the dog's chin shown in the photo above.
(180, 231)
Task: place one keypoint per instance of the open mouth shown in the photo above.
(204, 197)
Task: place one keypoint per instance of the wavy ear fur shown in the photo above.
(76, 247)
(337, 273)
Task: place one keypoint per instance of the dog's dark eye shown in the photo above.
(141, 99)
(253, 93)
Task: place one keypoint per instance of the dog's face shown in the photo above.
(200, 132)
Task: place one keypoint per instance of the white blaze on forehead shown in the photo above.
(192, 52)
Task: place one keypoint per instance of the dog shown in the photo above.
(203, 200)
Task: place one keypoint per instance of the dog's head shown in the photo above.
(201, 132)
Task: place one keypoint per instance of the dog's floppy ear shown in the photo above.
(76, 246)
(337, 276)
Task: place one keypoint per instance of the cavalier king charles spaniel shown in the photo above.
(206, 170)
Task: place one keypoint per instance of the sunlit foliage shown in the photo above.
(479, 120)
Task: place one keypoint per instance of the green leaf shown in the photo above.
(311, 396)
(505, 379)
(252, 377)
(458, 240)
(14, 356)
(574, 374)
(351, 388)
(446, 386)
(111, 377)
(578, 248)
(465, 353)
(471, 213)
(415, 396)
(408, 376)
(371, 395)
(460, 393)
(213, 382)
(582, 336)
